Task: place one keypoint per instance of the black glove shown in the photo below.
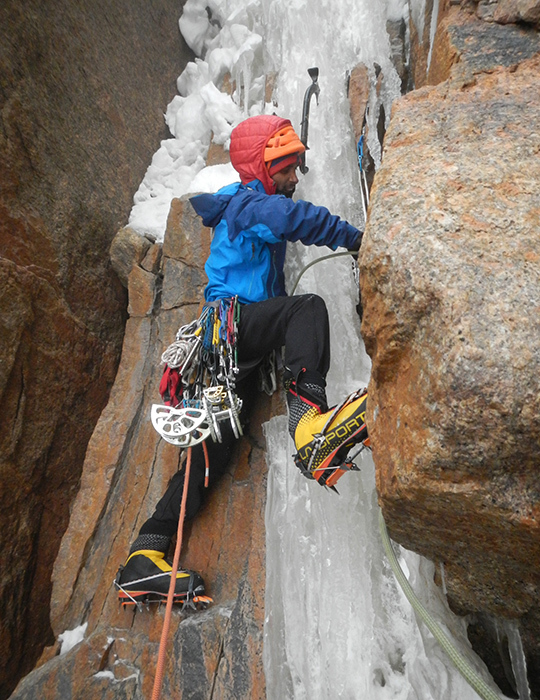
(353, 250)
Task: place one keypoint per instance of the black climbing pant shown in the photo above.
(300, 325)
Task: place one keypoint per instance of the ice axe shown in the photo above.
(313, 89)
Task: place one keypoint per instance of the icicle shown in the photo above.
(517, 657)
(443, 579)
(432, 30)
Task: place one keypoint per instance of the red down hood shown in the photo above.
(248, 141)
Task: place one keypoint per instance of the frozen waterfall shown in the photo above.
(337, 625)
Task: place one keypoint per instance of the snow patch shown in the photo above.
(105, 674)
(201, 113)
(71, 638)
(196, 25)
(110, 675)
(213, 178)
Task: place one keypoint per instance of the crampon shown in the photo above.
(140, 593)
(332, 468)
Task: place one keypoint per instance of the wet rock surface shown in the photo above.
(509, 11)
(482, 46)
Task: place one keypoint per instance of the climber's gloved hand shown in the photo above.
(353, 250)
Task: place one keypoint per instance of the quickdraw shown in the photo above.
(201, 366)
(364, 187)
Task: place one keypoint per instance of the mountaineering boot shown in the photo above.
(323, 440)
(305, 392)
(146, 575)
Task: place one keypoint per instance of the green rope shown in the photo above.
(314, 262)
(459, 661)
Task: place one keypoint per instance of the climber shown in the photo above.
(252, 222)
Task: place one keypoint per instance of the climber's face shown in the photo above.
(286, 180)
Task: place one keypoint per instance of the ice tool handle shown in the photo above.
(313, 89)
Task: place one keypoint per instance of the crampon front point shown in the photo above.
(332, 468)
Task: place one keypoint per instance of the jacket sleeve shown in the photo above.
(296, 221)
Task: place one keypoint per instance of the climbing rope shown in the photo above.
(177, 353)
(318, 260)
(459, 661)
(160, 666)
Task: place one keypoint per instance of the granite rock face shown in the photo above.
(509, 11)
(466, 42)
(450, 281)
(215, 653)
(513, 11)
(82, 89)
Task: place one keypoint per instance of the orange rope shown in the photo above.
(206, 463)
(158, 680)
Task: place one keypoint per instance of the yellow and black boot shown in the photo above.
(306, 393)
(324, 439)
(146, 575)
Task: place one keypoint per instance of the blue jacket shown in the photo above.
(251, 230)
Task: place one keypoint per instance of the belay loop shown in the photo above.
(198, 383)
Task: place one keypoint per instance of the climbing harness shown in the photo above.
(459, 661)
(199, 379)
(313, 89)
